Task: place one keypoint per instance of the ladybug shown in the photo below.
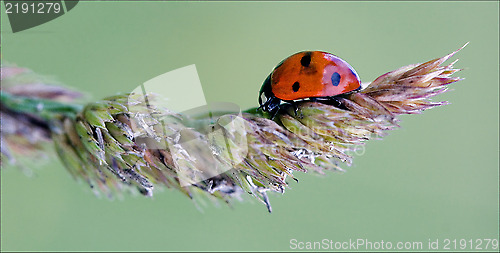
(310, 75)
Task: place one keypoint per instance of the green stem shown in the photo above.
(255, 111)
(46, 109)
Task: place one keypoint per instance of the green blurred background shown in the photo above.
(434, 178)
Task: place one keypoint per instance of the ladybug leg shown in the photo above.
(295, 107)
(336, 102)
(274, 112)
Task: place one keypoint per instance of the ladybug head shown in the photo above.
(267, 100)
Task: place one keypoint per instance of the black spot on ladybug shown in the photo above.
(306, 60)
(296, 86)
(335, 79)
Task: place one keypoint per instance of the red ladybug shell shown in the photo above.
(313, 74)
